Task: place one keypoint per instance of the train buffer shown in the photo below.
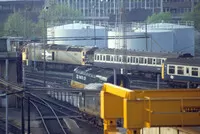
(148, 108)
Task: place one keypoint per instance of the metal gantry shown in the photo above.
(148, 108)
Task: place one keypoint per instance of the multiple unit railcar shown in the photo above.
(179, 72)
(131, 60)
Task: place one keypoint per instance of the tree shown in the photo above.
(159, 17)
(55, 14)
(194, 16)
(17, 25)
(59, 13)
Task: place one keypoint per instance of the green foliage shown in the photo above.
(17, 25)
(162, 16)
(194, 16)
(57, 13)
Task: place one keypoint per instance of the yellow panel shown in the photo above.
(163, 71)
(111, 106)
(133, 114)
(117, 90)
(76, 84)
(167, 93)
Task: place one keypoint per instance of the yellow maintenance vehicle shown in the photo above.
(148, 108)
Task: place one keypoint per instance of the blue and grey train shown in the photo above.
(182, 72)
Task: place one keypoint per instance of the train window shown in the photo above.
(107, 57)
(141, 60)
(133, 59)
(171, 69)
(104, 57)
(116, 58)
(53, 55)
(187, 70)
(129, 59)
(145, 60)
(149, 60)
(100, 57)
(97, 57)
(154, 61)
(120, 58)
(162, 61)
(180, 70)
(124, 58)
(158, 61)
(136, 60)
(112, 58)
(194, 71)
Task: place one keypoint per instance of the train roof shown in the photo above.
(94, 71)
(195, 61)
(136, 53)
(62, 47)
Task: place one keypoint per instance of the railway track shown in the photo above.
(11, 127)
(148, 84)
(37, 78)
(45, 109)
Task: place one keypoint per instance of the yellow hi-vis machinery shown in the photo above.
(148, 108)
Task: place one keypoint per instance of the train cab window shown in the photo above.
(107, 57)
(149, 60)
(104, 57)
(141, 60)
(180, 70)
(171, 69)
(158, 61)
(100, 57)
(194, 71)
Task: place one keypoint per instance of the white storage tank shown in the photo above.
(163, 37)
(70, 34)
(171, 37)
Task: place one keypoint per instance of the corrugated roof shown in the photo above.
(184, 61)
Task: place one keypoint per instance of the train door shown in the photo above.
(187, 71)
